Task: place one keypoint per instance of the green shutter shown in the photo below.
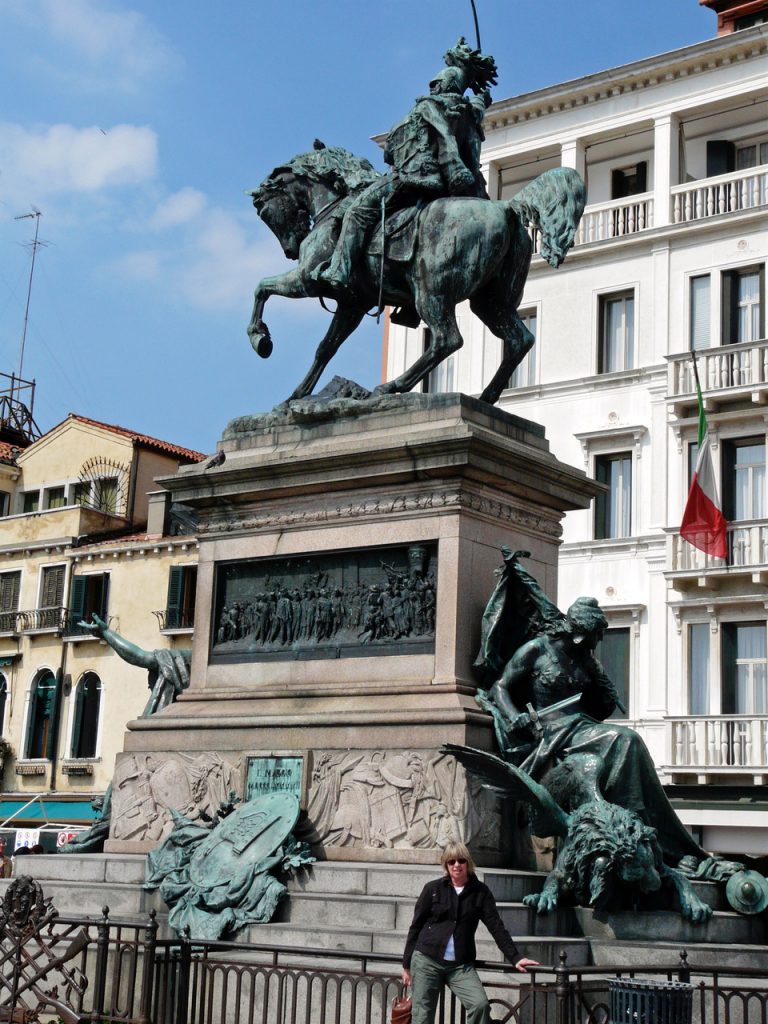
(77, 728)
(729, 309)
(77, 600)
(104, 603)
(53, 706)
(175, 596)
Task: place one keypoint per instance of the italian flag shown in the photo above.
(703, 523)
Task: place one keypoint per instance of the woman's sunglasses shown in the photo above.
(457, 860)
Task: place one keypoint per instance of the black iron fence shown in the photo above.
(108, 971)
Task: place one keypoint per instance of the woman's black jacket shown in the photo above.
(440, 913)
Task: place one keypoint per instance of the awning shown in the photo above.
(44, 810)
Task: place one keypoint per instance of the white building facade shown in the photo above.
(670, 256)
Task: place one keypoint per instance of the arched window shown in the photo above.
(42, 701)
(3, 699)
(85, 723)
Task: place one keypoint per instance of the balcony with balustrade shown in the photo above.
(726, 746)
(729, 374)
(746, 561)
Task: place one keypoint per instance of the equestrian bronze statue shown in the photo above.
(421, 239)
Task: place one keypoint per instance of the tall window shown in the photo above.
(613, 510)
(50, 607)
(745, 669)
(700, 311)
(744, 479)
(442, 380)
(3, 700)
(698, 668)
(180, 607)
(524, 375)
(629, 181)
(89, 594)
(10, 586)
(752, 155)
(743, 302)
(613, 654)
(617, 332)
(42, 705)
(85, 723)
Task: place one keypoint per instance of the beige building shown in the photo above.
(82, 532)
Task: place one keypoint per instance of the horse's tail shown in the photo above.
(553, 203)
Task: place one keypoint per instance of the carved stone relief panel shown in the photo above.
(401, 800)
(340, 604)
(146, 787)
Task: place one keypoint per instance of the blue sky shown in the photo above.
(136, 127)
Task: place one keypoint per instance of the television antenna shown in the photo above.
(34, 245)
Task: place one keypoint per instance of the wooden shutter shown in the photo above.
(175, 596)
(77, 610)
(10, 583)
(77, 728)
(52, 595)
(104, 597)
(730, 309)
(642, 177)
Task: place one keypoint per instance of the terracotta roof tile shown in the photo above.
(8, 451)
(154, 443)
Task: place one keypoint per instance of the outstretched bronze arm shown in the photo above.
(128, 652)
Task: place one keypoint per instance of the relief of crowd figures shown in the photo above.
(385, 603)
(146, 787)
(399, 800)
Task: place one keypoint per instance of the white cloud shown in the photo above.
(62, 158)
(211, 263)
(99, 43)
(179, 208)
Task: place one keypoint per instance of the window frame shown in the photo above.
(177, 602)
(602, 507)
(630, 291)
(81, 606)
(729, 304)
(530, 360)
(74, 731)
(692, 321)
(30, 711)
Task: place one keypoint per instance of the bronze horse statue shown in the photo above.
(463, 248)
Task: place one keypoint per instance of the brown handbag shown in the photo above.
(401, 1009)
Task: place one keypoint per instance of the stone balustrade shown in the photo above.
(722, 743)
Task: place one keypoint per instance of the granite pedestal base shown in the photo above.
(344, 565)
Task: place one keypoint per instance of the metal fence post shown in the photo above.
(563, 986)
(102, 955)
(183, 977)
(148, 969)
(684, 969)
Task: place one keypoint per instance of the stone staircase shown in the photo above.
(367, 907)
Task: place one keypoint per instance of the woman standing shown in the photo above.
(440, 948)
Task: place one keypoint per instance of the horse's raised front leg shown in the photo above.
(445, 339)
(345, 320)
(290, 286)
(516, 339)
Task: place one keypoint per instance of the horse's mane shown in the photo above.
(553, 202)
(337, 168)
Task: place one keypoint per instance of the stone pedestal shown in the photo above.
(387, 525)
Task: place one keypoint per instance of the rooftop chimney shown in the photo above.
(733, 15)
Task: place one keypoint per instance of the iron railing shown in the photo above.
(175, 618)
(109, 971)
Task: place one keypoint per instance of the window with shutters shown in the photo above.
(30, 502)
(50, 605)
(700, 311)
(3, 701)
(629, 181)
(743, 306)
(180, 606)
(89, 595)
(85, 720)
(40, 715)
(10, 586)
(55, 497)
(106, 494)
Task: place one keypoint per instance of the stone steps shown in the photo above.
(368, 907)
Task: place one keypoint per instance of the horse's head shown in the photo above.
(554, 202)
(281, 203)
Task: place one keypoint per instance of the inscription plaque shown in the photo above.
(274, 774)
(341, 604)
